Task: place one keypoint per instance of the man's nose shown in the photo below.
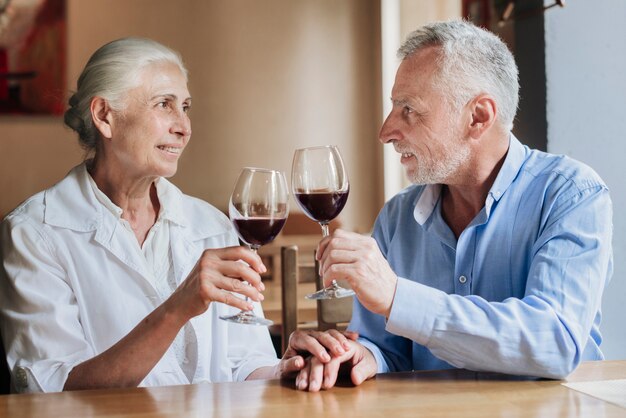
(385, 135)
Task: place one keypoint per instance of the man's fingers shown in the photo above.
(353, 335)
(341, 271)
(341, 339)
(334, 257)
(332, 341)
(304, 342)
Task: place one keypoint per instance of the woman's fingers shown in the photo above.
(302, 380)
(228, 298)
(316, 375)
(214, 268)
(239, 253)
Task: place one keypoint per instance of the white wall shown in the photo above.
(586, 113)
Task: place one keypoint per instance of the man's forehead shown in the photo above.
(422, 63)
(415, 75)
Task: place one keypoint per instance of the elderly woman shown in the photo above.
(110, 277)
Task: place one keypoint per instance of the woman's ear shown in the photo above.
(101, 116)
(484, 112)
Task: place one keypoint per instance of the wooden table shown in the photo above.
(455, 393)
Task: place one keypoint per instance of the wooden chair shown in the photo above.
(334, 313)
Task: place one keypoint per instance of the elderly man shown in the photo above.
(496, 258)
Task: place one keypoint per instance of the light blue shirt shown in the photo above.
(519, 292)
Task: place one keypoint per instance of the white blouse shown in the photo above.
(156, 250)
(73, 282)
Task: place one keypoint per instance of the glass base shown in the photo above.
(247, 318)
(334, 291)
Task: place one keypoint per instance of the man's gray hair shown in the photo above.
(472, 61)
(110, 72)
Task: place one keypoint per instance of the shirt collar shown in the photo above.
(515, 157)
(75, 203)
(103, 198)
(169, 200)
(513, 161)
(426, 202)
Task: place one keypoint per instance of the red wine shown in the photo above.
(258, 231)
(322, 206)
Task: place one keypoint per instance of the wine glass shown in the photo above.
(320, 185)
(258, 209)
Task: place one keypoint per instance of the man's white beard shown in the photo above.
(441, 171)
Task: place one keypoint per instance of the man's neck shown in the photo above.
(462, 200)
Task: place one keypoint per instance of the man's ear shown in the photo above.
(484, 112)
(102, 116)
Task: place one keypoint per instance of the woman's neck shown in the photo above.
(137, 197)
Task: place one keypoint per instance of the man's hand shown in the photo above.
(217, 274)
(357, 259)
(323, 375)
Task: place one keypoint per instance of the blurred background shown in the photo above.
(270, 76)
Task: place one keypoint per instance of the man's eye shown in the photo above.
(407, 109)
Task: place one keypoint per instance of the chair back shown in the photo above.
(335, 313)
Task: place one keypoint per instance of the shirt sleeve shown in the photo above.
(40, 323)
(545, 332)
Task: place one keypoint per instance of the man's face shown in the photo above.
(421, 125)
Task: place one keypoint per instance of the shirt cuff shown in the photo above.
(414, 310)
(381, 364)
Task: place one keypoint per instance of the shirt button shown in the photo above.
(462, 279)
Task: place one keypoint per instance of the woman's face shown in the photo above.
(148, 136)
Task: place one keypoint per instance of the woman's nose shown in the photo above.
(182, 125)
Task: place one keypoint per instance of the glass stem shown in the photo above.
(254, 249)
(324, 226)
(325, 233)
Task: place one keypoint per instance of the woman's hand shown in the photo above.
(217, 274)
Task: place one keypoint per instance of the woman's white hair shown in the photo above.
(110, 72)
(472, 61)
